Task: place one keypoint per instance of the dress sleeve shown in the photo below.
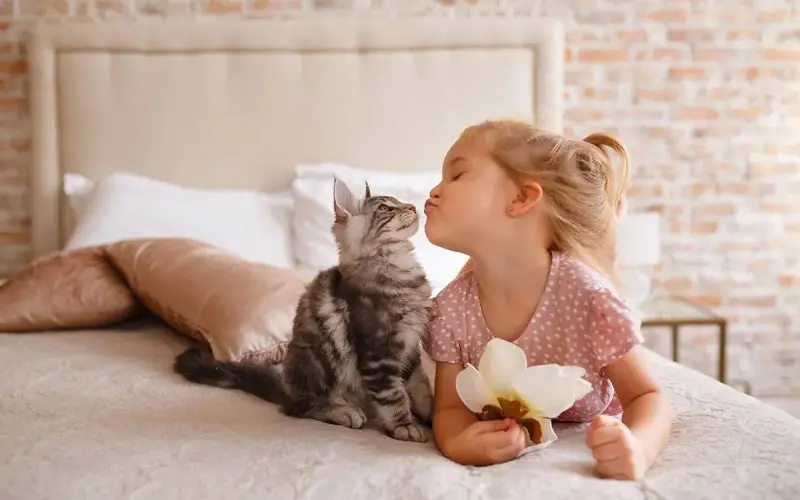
(440, 342)
(613, 329)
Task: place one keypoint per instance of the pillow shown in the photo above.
(255, 226)
(243, 310)
(77, 289)
(312, 193)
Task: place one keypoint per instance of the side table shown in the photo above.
(675, 312)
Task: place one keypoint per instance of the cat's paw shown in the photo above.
(352, 417)
(410, 432)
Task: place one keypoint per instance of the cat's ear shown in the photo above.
(344, 203)
(366, 190)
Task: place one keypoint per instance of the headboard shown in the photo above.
(239, 104)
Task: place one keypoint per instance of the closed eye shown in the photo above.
(456, 177)
(383, 208)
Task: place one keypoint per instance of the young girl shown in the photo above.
(536, 214)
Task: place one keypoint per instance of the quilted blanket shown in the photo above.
(100, 415)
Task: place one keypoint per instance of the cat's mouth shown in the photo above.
(412, 221)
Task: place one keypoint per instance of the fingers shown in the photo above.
(610, 468)
(600, 421)
(500, 439)
(616, 451)
(623, 467)
(516, 433)
(607, 452)
(597, 423)
(485, 426)
(603, 435)
(521, 436)
(507, 453)
(504, 446)
(503, 438)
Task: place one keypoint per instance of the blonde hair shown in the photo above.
(584, 193)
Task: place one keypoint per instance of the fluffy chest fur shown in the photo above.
(391, 323)
(388, 302)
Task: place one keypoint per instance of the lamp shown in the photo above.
(638, 247)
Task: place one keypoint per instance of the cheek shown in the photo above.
(474, 201)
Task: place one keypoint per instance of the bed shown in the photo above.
(99, 413)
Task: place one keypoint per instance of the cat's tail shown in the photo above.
(259, 380)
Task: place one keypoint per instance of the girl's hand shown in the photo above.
(618, 453)
(488, 442)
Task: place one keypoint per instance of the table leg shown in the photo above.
(723, 343)
(675, 342)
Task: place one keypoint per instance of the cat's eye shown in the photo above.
(383, 208)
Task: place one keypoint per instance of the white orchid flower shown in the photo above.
(504, 386)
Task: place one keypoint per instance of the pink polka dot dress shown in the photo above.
(579, 321)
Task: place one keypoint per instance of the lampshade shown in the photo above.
(638, 239)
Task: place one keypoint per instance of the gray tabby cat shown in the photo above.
(356, 332)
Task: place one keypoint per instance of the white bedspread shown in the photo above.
(100, 415)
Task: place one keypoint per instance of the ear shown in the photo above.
(344, 203)
(528, 196)
(366, 190)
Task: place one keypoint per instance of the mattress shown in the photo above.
(100, 415)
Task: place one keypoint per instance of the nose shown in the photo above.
(435, 192)
(410, 207)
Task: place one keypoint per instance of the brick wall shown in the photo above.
(705, 93)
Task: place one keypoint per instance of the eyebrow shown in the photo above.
(458, 159)
(452, 163)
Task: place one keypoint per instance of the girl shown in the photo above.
(536, 214)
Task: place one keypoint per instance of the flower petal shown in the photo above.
(548, 437)
(545, 390)
(572, 371)
(534, 448)
(500, 363)
(581, 388)
(548, 434)
(473, 390)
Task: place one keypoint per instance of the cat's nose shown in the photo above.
(411, 207)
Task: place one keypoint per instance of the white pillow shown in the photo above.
(251, 224)
(312, 192)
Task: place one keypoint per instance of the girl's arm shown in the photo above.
(450, 416)
(627, 449)
(456, 430)
(646, 410)
(459, 434)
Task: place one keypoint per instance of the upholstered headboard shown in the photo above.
(239, 104)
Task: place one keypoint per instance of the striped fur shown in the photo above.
(355, 344)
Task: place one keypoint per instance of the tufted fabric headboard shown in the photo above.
(238, 105)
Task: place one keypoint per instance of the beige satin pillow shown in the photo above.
(244, 310)
(73, 289)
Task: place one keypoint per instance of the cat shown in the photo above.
(356, 334)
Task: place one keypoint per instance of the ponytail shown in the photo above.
(617, 182)
(616, 186)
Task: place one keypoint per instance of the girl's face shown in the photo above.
(469, 206)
